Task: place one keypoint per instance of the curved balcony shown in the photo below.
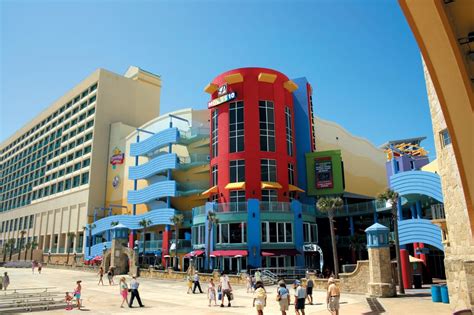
(157, 217)
(155, 166)
(417, 183)
(420, 230)
(154, 191)
(154, 142)
(96, 250)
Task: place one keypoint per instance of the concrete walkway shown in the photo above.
(169, 297)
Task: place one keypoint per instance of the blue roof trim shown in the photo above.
(154, 142)
(417, 182)
(419, 230)
(155, 166)
(152, 192)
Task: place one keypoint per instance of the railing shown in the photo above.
(195, 158)
(194, 132)
(275, 206)
(155, 245)
(192, 186)
(282, 272)
(437, 212)
(230, 207)
(199, 210)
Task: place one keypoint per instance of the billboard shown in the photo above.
(323, 170)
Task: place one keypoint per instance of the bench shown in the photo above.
(29, 299)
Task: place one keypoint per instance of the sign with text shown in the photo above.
(221, 99)
(323, 169)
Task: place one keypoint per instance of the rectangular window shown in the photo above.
(310, 233)
(86, 163)
(267, 126)
(237, 199)
(236, 126)
(77, 166)
(85, 178)
(214, 175)
(76, 181)
(32, 217)
(277, 232)
(269, 195)
(291, 174)
(214, 131)
(268, 170)
(237, 171)
(289, 132)
(445, 138)
(67, 184)
(231, 233)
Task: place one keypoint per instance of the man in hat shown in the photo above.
(333, 296)
(134, 291)
(300, 297)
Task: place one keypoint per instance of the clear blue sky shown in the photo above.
(360, 56)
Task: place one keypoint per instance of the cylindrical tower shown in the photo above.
(253, 152)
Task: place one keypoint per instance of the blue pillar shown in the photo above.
(208, 239)
(95, 215)
(400, 209)
(419, 213)
(351, 225)
(412, 210)
(254, 231)
(135, 182)
(298, 231)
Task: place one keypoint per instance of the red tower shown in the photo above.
(253, 151)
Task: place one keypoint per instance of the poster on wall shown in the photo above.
(323, 168)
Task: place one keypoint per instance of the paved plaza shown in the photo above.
(169, 297)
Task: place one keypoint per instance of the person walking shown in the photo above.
(333, 296)
(123, 291)
(300, 297)
(5, 281)
(211, 292)
(259, 298)
(196, 283)
(283, 297)
(101, 275)
(110, 276)
(309, 291)
(190, 283)
(249, 284)
(77, 293)
(258, 276)
(134, 284)
(226, 289)
(40, 267)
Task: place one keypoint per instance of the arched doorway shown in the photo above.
(125, 263)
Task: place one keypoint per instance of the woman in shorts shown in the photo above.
(123, 291)
(283, 297)
(77, 294)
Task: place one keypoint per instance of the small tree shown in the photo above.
(89, 228)
(178, 220)
(211, 221)
(34, 244)
(392, 197)
(6, 246)
(144, 224)
(22, 233)
(70, 236)
(12, 243)
(357, 244)
(27, 247)
(329, 206)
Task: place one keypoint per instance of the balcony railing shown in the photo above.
(437, 212)
(230, 207)
(275, 206)
(195, 158)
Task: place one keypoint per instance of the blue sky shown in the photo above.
(359, 55)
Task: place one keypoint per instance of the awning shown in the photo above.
(239, 185)
(280, 252)
(271, 185)
(229, 253)
(211, 190)
(194, 253)
(97, 258)
(294, 188)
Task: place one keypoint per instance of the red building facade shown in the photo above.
(253, 150)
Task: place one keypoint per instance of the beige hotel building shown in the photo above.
(53, 171)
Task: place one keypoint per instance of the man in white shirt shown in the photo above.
(134, 284)
(226, 289)
(300, 297)
(196, 283)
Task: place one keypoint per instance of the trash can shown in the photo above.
(417, 280)
(444, 294)
(436, 293)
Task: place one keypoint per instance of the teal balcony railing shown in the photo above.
(275, 206)
(230, 207)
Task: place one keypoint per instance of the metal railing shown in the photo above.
(437, 212)
(230, 207)
(275, 206)
(278, 273)
(194, 158)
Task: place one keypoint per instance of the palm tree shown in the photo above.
(89, 228)
(329, 205)
(22, 233)
(144, 224)
(391, 197)
(211, 221)
(178, 220)
(12, 242)
(70, 236)
(6, 246)
(27, 247)
(33, 247)
(357, 244)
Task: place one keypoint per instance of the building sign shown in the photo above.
(223, 97)
(117, 157)
(323, 168)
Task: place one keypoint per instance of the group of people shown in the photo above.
(110, 275)
(35, 264)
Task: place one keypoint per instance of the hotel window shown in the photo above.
(60, 186)
(85, 178)
(291, 174)
(237, 197)
(77, 166)
(214, 135)
(87, 149)
(310, 233)
(86, 163)
(237, 171)
(20, 224)
(93, 87)
(214, 175)
(199, 234)
(269, 195)
(289, 132)
(267, 126)
(231, 233)
(277, 232)
(236, 126)
(268, 170)
(445, 138)
(67, 184)
(76, 181)
(92, 99)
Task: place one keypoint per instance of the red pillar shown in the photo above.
(406, 268)
(165, 247)
(131, 241)
(422, 256)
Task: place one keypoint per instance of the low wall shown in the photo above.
(181, 276)
(94, 269)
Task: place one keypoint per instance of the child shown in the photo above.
(68, 300)
(260, 298)
(249, 284)
(211, 292)
(77, 294)
(190, 284)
